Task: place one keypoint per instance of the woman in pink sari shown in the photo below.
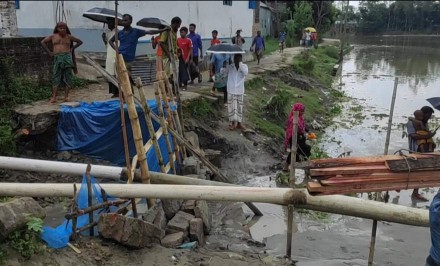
(303, 149)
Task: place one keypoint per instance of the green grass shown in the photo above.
(271, 45)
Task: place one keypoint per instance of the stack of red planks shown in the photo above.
(370, 174)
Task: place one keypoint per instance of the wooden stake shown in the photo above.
(74, 209)
(90, 197)
(147, 114)
(378, 194)
(293, 149)
(170, 120)
(135, 125)
(164, 126)
(290, 209)
(173, 114)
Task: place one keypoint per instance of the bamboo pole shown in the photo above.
(74, 208)
(283, 196)
(378, 197)
(169, 119)
(121, 100)
(164, 126)
(147, 114)
(90, 197)
(135, 125)
(293, 149)
(172, 115)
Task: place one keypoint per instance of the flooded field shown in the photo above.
(367, 79)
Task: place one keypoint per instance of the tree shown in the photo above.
(373, 16)
(302, 17)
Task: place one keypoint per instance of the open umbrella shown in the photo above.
(435, 102)
(101, 14)
(311, 29)
(155, 23)
(225, 48)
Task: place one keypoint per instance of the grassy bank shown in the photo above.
(270, 98)
(17, 90)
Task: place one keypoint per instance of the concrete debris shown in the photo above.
(171, 207)
(191, 166)
(129, 231)
(201, 210)
(180, 221)
(188, 206)
(15, 214)
(196, 231)
(172, 240)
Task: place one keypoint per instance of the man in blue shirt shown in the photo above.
(434, 224)
(128, 39)
(197, 45)
(282, 41)
(258, 46)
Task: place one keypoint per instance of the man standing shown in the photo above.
(185, 55)
(128, 39)
(215, 40)
(413, 137)
(434, 225)
(282, 41)
(168, 51)
(259, 46)
(111, 55)
(197, 45)
(238, 40)
(63, 65)
(236, 74)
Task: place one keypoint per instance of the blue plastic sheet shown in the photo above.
(59, 237)
(94, 129)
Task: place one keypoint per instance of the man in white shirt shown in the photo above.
(236, 72)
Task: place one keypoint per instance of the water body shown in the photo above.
(367, 78)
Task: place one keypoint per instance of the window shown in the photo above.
(252, 4)
(17, 4)
(227, 3)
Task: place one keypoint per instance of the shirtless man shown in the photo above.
(63, 48)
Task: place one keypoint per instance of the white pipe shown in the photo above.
(283, 196)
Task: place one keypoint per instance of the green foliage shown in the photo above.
(3, 256)
(318, 152)
(331, 51)
(200, 108)
(304, 64)
(271, 46)
(336, 109)
(26, 241)
(302, 16)
(279, 103)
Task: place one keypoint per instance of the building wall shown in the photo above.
(37, 18)
(265, 22)
(8, 19)
(25, 56)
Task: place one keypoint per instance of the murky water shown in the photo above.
(367, 78)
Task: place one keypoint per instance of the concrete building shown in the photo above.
(8, 19)
(38, 18)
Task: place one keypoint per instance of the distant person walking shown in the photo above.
(110, 59)
(308, 39)
(282, 41)
(64, 62)
(185, 47)
(258, 46)
(238, 40)
(128, 40)
(197, 45)
(214, 41)
(434, 225)
(236, 72)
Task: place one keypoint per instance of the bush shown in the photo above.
(278, 104)
(200, 108)
(304, 64)
(332, 52)
(26, 241)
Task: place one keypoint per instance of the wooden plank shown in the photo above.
(413, 178)
(432, 163)
(329, 190)
(364, 169)
(337, 162)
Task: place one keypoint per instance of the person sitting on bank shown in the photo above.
(422, 144)
(303, 151)
(413, 137)
(63, 55)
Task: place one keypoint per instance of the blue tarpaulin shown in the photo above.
(59, 237)
(94, 129)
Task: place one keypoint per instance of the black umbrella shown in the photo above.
(101, 14)
(155, 23)
(225, 48)
(435, 102)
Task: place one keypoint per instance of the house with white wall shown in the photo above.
(38, 18)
